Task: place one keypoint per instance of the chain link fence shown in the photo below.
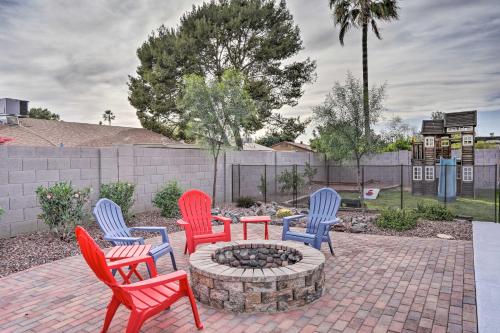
(468, 191)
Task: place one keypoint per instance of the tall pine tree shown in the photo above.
(254, 37)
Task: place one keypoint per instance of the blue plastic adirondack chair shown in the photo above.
(110, 218)
(323, 208)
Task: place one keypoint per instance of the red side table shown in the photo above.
(255, 219)
(128, 251)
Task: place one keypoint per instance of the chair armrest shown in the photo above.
(128, 240)
(156, 281)
(331, 222)
(222, 218)
(227, 223)
(148, 260)
(161, 230)
(186, 226)
(324, 227)
(182, 223)
(288, 219)
(293, 217)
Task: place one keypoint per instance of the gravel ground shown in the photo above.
(458, 229)
(22, 252)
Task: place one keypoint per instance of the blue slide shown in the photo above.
(447, 179)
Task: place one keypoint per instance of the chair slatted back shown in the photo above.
(196, 209)
(110, 218)
(96, 260)
(324, 205)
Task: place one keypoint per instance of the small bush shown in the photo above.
(62, 208)
(245, 202)
(434, 212)
(1, 211)
(290, 180)
(397, 219)
(283, 212)
(166, 199)
(121, 193)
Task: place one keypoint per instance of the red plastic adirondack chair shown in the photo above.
(145, 298)
(195, 207)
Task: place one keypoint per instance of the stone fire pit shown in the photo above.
(257, 275)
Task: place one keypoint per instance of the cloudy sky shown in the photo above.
(74, 57)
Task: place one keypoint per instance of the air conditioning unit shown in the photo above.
(14, 107)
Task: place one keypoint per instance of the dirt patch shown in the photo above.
(25, 251)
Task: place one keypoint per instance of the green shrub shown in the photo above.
(399, 144)
(434, 212)
(166, 199)
(121, 193)
(1, 211)
(245, 202)
(62, 208)
(283, 212)
(290, 180)
(397, 219)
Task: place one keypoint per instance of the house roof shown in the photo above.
(295, 144)
(432, 127)
(39, 132)
(246, 146)
(457, 119)
(255, 146)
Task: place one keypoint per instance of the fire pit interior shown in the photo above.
(260, 257)
(255, 276)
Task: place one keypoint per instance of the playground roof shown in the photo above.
(464, 118)
(432, 127)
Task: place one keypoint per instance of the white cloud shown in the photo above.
(75, 57)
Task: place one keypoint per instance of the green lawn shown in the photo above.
(481, 208)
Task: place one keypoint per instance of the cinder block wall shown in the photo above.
(23, 169)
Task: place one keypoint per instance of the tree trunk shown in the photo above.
(360, 186)
(216, 157)
(366, 105)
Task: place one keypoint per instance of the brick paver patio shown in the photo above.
(373, 284)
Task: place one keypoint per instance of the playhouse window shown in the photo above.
(417, 173)
(467, 173)
(429, 142)
(445, 142)
(468, 140)
(429, 173)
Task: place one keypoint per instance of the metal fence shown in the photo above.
(467, 191)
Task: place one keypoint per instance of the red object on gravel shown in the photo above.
(5, 140)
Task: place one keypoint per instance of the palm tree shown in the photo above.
(362, 13)
(108, 116)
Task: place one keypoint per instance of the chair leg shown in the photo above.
(149, 269)
(330, 245)
(194, 308)
(110, 313)
(134, 323)
(173, 260)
